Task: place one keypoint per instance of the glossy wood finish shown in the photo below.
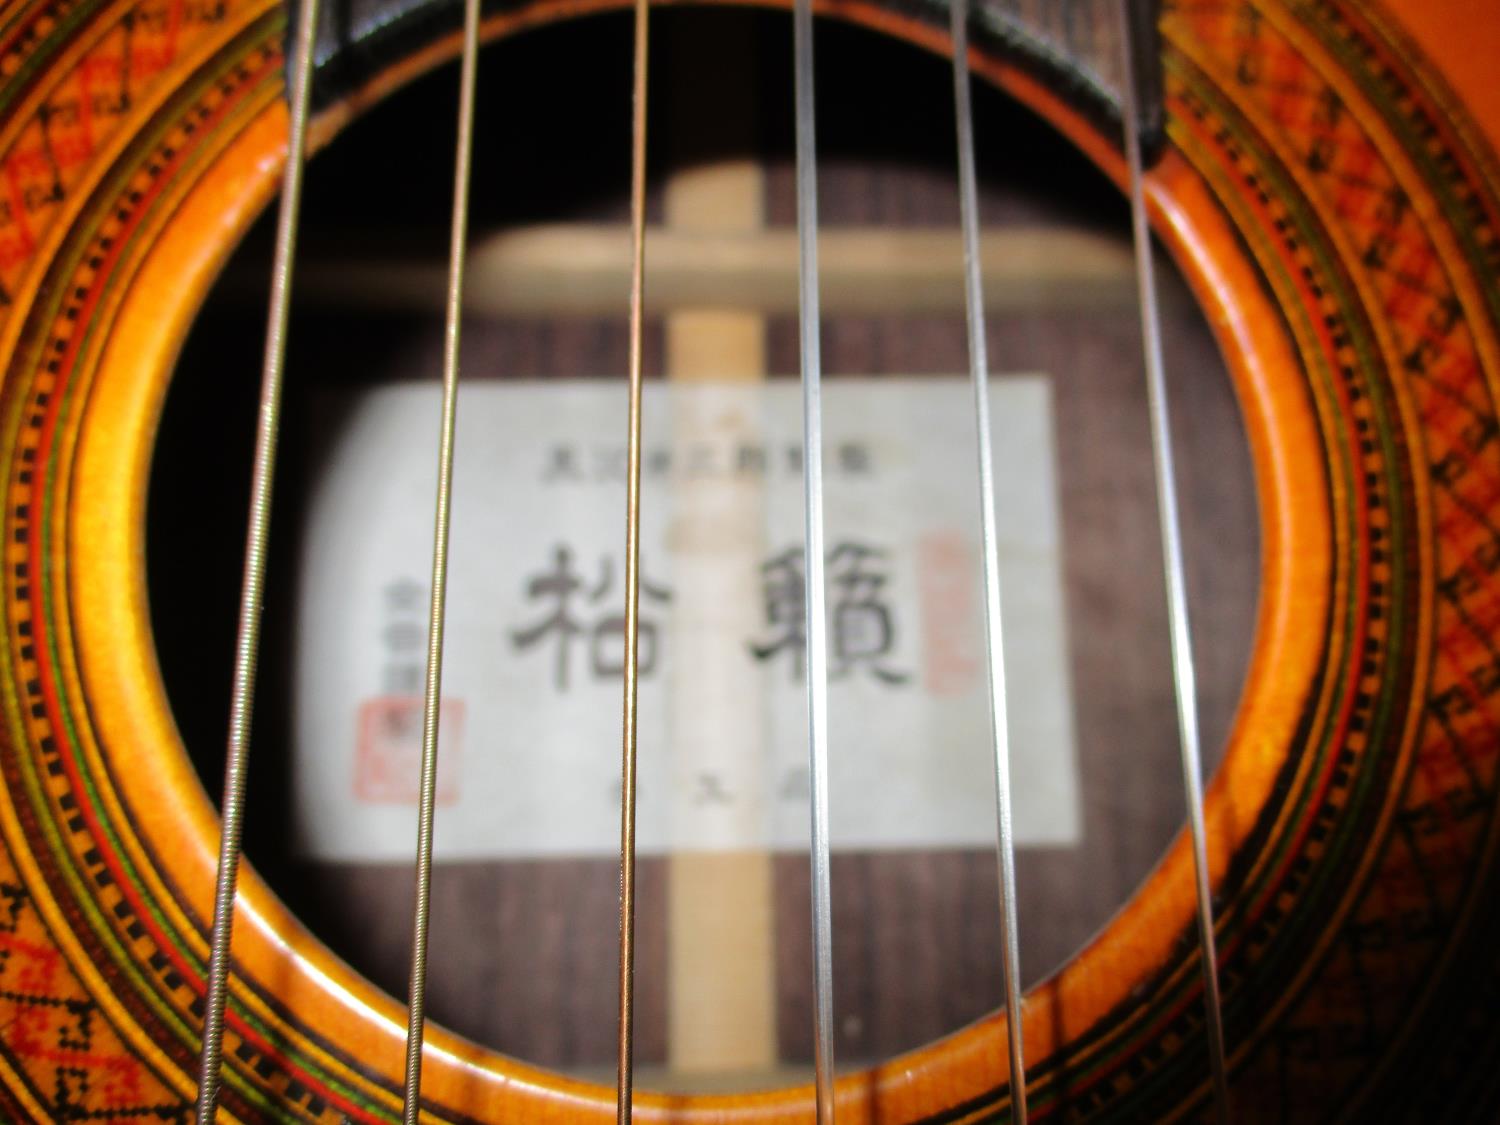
(1335, 211)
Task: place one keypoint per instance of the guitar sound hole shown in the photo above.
(523, 945)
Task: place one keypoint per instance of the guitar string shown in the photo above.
(1184, 680)
(432, 690)
(263, 473)
(252, 588)
(813, 582)
(625, 1059)
(993, 634)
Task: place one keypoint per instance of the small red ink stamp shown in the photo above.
(948, 585)
(388, 750)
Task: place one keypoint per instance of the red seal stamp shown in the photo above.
(388, 751)
(948, 584)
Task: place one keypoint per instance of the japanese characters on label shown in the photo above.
(530, 720)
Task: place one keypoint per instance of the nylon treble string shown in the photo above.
(1183, 678)
(814, 592)
(979, 376)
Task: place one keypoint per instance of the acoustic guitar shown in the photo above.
(1323, 176)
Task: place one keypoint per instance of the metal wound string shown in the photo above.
(625, 1064)
(1176, 582)
(814, 594)
(994, 651)
(432, 692)
(252, 589)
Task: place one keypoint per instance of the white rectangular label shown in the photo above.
(531, 720)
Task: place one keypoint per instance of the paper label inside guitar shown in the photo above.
(531, 718)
